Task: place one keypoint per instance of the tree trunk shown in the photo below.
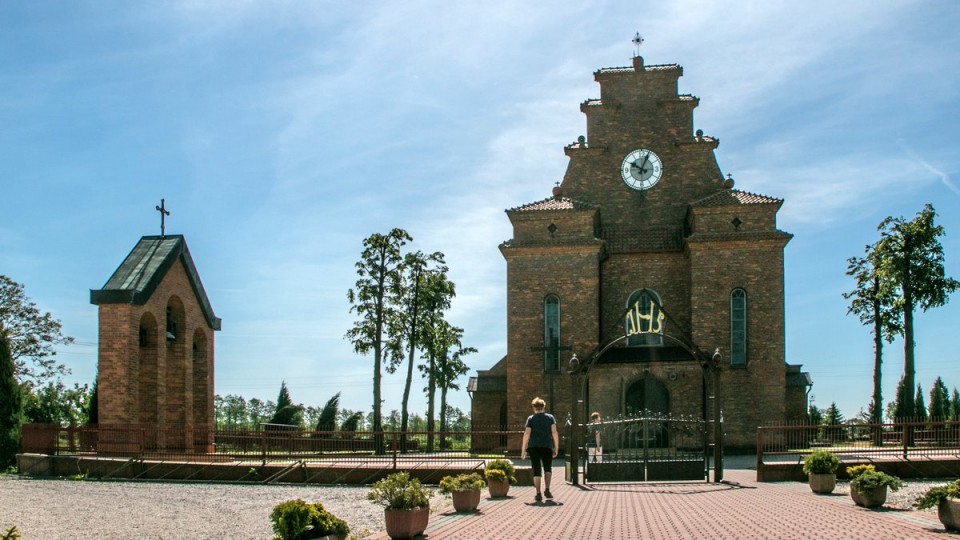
(431, 392)
(877, 416)
(404, 411)
(909, 373)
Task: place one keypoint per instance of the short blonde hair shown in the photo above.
(538, 404)
(595, 416)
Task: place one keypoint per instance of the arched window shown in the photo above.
(738, 327)
(643, 322)
(551, 333)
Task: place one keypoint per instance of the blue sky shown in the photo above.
(281, 134)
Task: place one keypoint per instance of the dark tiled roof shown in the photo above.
(733, 197)
(554, 203)
(140, 273)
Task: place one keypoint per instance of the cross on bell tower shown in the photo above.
(163, 213)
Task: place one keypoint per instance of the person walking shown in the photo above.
(594, 447)
(541, 441)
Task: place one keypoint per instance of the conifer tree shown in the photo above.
(939, 401)
(287, 413)
(10, 407)
(920, 409)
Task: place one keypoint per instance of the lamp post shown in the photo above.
(573, 443)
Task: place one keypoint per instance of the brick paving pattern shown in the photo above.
(742, 509)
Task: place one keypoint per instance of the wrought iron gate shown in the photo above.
(646, 448)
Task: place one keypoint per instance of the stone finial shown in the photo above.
(638, 63)
(557, 191)
(728, 183)
(699, 135)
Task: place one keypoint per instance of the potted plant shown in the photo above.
(464, 489)
(298, 520)
(947, 500)
(821, 466)
(406, 504)
(853, 472)
(872, 485)
(499, 474)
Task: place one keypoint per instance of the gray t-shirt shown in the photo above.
(541, 435)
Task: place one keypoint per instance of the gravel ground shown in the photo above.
(67, 509)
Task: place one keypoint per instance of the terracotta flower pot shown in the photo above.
(498, 488)
(406, 523)
(873, 498)
(823, 483)
(949, 513)
(466, 500)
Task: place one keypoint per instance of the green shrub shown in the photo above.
(298, 520)
(461, 482)
(400, 492)
(501, 465)
(867, 481)
(821, 462)
(857, 470)
(11, 534)
(934, 495)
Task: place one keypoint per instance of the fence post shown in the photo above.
(759, 454)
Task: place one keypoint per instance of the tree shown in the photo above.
(352, 423)
(436, 297)
(415, 303)
(900, 411)
(287, 413)
(32, 336)
(446, 352)
(10, 404)
(373, 301)
(327, 421)
(93, 405)
(833, 417)
(55, 403)
(873, 302)
(920, 410)
(955, 406)
(939, 401)
(909, 254)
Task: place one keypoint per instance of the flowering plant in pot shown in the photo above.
(298, 520)
(871, 487)
(947, 500)
(406, 504)
(821, 467)
(499, 473)
(464, 489)
(853, 472)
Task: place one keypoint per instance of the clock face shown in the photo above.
(641, 169)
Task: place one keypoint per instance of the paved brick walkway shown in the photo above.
(744, 509)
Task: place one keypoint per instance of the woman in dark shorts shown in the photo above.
(541, 441)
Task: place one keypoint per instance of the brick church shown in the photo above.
(644, 219)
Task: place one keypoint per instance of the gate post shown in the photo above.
(717, 418)
(574, 422)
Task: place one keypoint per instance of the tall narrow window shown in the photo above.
(738, 327)
(643, 322)
(551, 333)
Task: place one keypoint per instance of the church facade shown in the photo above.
(644, 251)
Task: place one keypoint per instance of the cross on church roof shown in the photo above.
(637, 40)
(163, 213)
